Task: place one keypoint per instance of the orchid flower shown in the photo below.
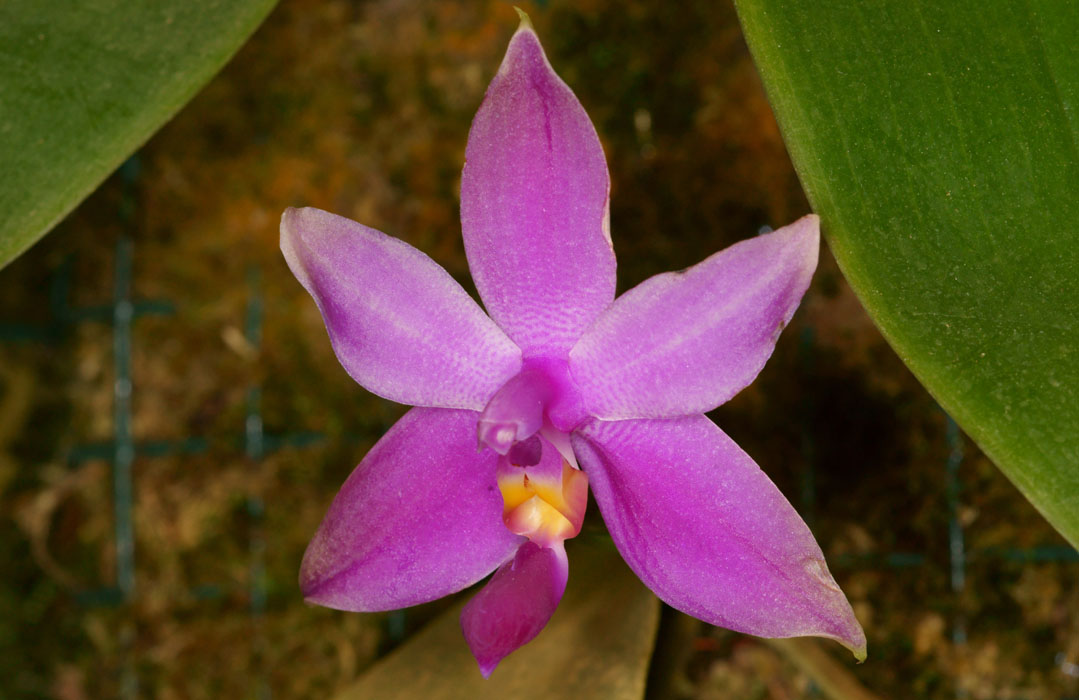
(564, 388)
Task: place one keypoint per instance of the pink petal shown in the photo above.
(709, 533)
(418, 519)
(400, 325)
(515, 605)
(685, 342)
(534, 205)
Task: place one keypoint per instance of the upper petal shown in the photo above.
(534, 205)
(515, 605)
(400, 325)
(418, 519)
(709, 533)
(682, 343)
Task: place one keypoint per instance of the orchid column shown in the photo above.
(563, 387)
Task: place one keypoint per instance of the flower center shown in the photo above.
(541, 397)
(544, 501)
(528, 422)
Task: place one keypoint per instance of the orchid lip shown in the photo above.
(526, 453)
(546, 500)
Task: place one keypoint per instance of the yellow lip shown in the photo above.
(546, 510)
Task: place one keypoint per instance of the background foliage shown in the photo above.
(940, 144)
(83, 84)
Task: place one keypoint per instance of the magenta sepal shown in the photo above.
(400, 325)
(418, 519)
(534, 205)
(685, 342)
(704, 528)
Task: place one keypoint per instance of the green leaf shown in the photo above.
(939, 141)
(596, 646)
(83, 84)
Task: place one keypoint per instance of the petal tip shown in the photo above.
(858, 647)
(294, 222)
(801, 239)
(807, 227)
(313, 578)
(290, 243)
(314, 593)
(290, 218)
(525, 25)
(525, 52)
(856, 644)
(849, 633)
(288, 222)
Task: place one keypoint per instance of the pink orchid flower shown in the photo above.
(564, 387)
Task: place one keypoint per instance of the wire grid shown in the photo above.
(122, 452)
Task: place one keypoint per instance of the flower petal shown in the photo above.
(534, 205)
(418, 519)
(709, 533)
(685, 342)
(515, 605)
(400, 325)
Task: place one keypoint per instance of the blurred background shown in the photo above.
(173, 423)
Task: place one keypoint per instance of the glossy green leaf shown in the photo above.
(83, 84)
(939, 141)
(596, 646)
